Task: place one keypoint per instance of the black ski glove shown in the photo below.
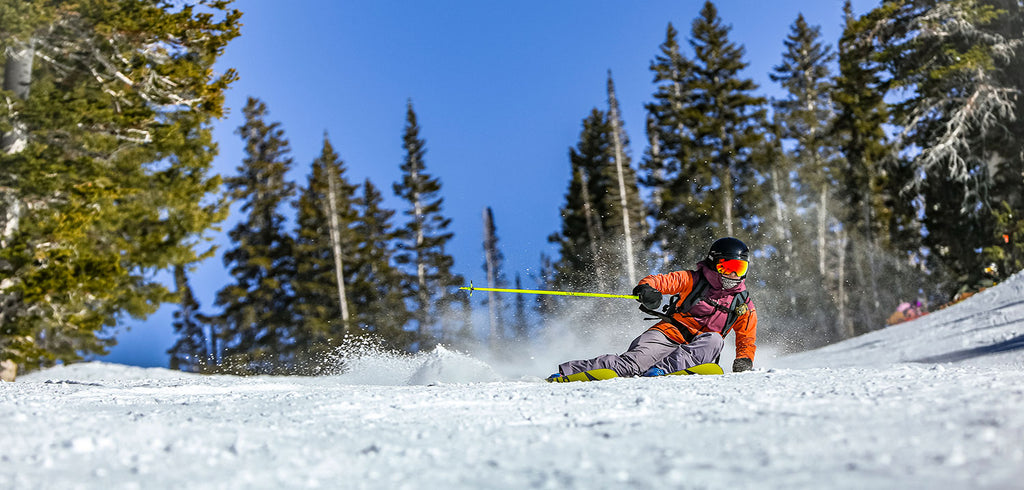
(742, 364)
(648, 296)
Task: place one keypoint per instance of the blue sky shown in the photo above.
(500, 90)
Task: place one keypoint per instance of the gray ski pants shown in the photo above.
(652, 348)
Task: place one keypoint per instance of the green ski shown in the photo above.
(707, 368)
(601, 374)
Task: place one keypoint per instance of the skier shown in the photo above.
(708, 303)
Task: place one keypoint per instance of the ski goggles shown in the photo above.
(732, 266)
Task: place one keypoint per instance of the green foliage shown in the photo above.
(421, 241)
(493, 267)
(582, 241)
(258, 326)
(802, 171)
(372, 286)
(592, 241)
(113, 180)
(315, 284)
(193, 350)
(668, 159)
(957, 61)
(871, 204)
(709, 125)
(377, 292)
(1007, 254)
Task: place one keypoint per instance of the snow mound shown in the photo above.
(99, 372)
(444, 366)
(365, 365)
(374, 366)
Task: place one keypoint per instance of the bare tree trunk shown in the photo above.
(842, 328)
(869, 219)
(335, 231)
(613, 116)
(727, 187)
(784, 233)
(822, 228)
(8, 370)
(17, 79)
(421, 266)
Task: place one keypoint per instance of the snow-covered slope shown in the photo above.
(933, 403)
(986, 330)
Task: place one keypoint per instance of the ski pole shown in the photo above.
(553, 293)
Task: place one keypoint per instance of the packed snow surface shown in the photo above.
(933, 403)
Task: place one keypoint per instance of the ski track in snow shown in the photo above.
(933, 403)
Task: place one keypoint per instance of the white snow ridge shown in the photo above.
(933, 403)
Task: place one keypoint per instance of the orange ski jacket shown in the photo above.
(703, 315)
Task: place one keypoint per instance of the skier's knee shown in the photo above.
(716, 341)
(627, 367)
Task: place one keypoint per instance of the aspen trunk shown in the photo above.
(842, 328)
(613, 116)
(822, 228)
(335, 232)
(726, 186)
(421, 266)
(17, 79)
(784, 233)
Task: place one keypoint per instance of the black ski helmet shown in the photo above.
(727, 248)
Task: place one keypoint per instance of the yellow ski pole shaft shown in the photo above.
(553, 293)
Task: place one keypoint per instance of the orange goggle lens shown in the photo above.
(731, 266)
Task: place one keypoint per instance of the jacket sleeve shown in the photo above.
(746, 334)
(672, 283)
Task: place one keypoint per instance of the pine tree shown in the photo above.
(422, 240)
(493, 262)
(806, 116)
(667, 164)
(192, 351)
(547, 276)
(583, 247)
(709, 181)
(1007, 251)
(625, 217)
(952, 58)
(783, 291)
(376, 291)
(725, 118)
(257, 324)
(878, 221)
(591, 239)
(324, 246)
(109, 140)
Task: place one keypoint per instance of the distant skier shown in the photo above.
(708, 303)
